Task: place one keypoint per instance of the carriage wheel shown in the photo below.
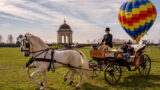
(95, 68)
(112, 73)
(145, 65)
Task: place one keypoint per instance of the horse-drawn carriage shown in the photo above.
(112, 61)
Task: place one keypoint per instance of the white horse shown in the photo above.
(34, 46)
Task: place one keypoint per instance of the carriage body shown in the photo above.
(111, 61)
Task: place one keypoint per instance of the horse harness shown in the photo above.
(44, 59)
(51, 61)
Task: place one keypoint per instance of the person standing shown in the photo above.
(107, 39)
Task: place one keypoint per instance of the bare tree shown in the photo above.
(19, 39)
(1, 39)
(10, 39)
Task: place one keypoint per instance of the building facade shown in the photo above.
(64, 34)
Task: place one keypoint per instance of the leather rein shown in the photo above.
(27, 45)
(44, 59)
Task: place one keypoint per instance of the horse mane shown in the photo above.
(36, 39)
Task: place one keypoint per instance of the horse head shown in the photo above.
(31, 43)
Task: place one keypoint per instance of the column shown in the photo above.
(60, 38)
(65, 38)
(69, 39)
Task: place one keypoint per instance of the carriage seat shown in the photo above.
(138, 48)
(100, 54)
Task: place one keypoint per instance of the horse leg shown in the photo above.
(33, 78)
(30, 67)
(44, 85)
(80, 82)
(71, 77)
(65, 75)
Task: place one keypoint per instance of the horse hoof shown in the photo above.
(92, 77)
(71, 82)
(41, 84)
(77, 87)
(65, 79)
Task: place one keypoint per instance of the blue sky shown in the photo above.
(87, 18)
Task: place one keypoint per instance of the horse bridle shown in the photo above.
(27, 45)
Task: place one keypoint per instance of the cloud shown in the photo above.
(15, 18)
(23, 13)
(87, 18)
(75, 8)
(5, 25)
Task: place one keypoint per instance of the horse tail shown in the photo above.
(85, 65)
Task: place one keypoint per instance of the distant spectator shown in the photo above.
(69, 45)
(65, 45)
(129, 42)
(99, 44)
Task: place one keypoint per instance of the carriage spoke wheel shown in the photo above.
(95, 68)
(145, 65)
(112, 73)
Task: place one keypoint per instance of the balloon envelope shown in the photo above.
(136, 17)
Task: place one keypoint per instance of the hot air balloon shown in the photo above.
(136, 17)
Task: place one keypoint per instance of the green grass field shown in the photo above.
(13, 75)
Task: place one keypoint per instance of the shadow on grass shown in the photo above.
(132, 81)
(155, 61)
(89, 86)
(49, 88)
(137, 81)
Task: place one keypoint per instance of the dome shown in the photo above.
(64, 27)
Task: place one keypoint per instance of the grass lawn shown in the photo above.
(13, 75)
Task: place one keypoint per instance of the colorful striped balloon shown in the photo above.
(136, 17)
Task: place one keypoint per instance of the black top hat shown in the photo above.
(107, 29)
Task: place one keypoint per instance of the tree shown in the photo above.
(10, 39)
(1, 39)
(19, 39)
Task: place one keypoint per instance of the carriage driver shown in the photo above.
(107, 38)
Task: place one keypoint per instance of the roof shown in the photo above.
(64, 27)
